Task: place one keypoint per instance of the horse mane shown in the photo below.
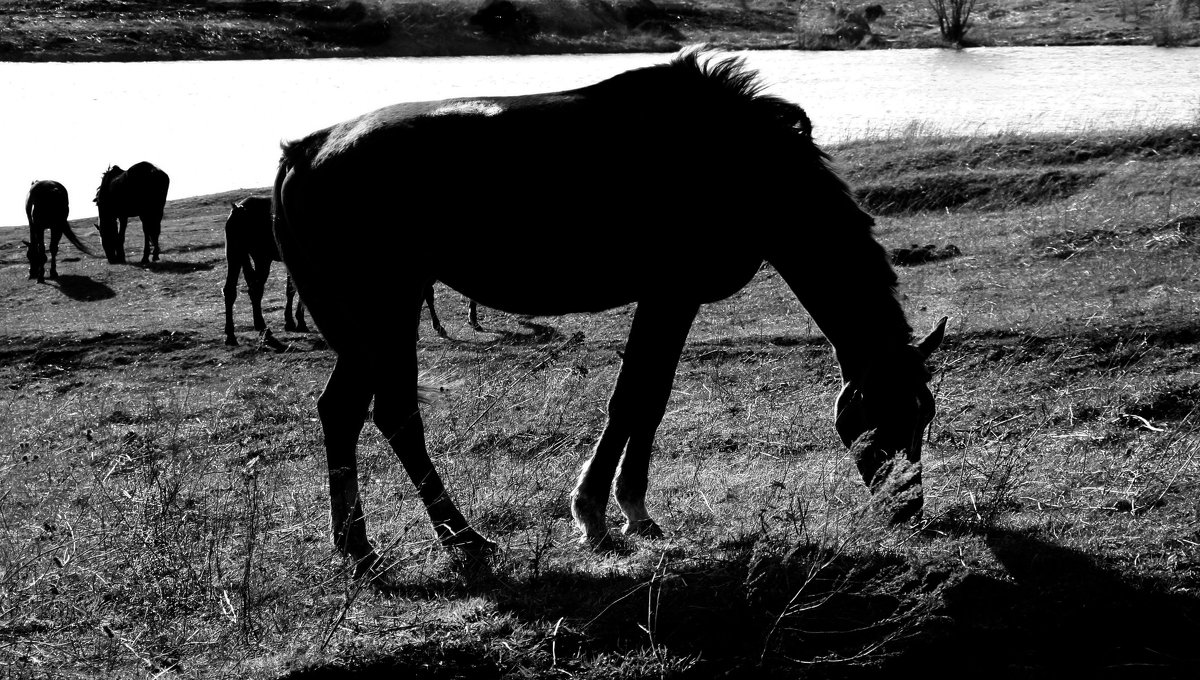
(106, 179)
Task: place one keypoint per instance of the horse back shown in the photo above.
(248, 231)
(47, 203)
(139, 191)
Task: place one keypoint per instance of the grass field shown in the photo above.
(163, 510)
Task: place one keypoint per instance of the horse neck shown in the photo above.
(851, 295)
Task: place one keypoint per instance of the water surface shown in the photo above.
(217, 125)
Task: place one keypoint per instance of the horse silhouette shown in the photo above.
(46, 207)
(665, 186)
(140, 191)
(250, 249)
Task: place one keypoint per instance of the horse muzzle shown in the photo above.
(892, 473)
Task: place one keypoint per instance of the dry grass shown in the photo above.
(164, 504)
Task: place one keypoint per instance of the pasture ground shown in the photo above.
(163, 510)
(92, 30)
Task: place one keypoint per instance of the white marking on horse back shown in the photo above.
(468, 107)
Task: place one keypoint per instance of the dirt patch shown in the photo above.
(974, 189)
(1178, 232)
(917, 254)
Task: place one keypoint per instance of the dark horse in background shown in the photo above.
(734, 180)
(472, 313)
(250, 249)
(46, 207)
(140, 191)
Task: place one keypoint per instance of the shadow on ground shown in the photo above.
(83, 288)
(784, 611)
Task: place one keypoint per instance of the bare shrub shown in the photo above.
(953, 17)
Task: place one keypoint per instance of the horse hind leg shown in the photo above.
(636, 408)
(342, 408)
(399, 420)
(473, 315)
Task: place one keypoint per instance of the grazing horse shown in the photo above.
(665, 186)
(250, 248)
(140, 191)
(47, 206)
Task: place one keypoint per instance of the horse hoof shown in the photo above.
(231, 341)
(601, 543)
(468, 540)
(645, 528)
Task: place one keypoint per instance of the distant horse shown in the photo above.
(665, 186)
(249, 249)
(140, 191)
(46, 207)
(472, 314)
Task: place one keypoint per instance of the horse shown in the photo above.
(249, 249)
(666, 186)
(472, 314)
(46, 207)
(140, 191)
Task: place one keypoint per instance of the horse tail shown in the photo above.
(279, 216)
(70, 234)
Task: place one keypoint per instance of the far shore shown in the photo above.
(138, 30)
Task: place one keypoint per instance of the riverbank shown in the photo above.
(137, 30)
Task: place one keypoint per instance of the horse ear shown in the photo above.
(931, 342)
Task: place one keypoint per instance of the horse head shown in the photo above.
(881, 416)
(37, 260)
(110, 240)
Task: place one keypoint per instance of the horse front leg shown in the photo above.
(636, 408)
(256, 281)
(56, 234)
(342, 408)
(36, 253)
(120, 247)
(230, 293)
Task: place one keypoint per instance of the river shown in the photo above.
(216, 125)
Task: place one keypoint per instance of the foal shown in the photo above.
(250, 248)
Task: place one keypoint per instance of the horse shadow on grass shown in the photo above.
(1065, 613)
(83, 288)
(772, 610)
